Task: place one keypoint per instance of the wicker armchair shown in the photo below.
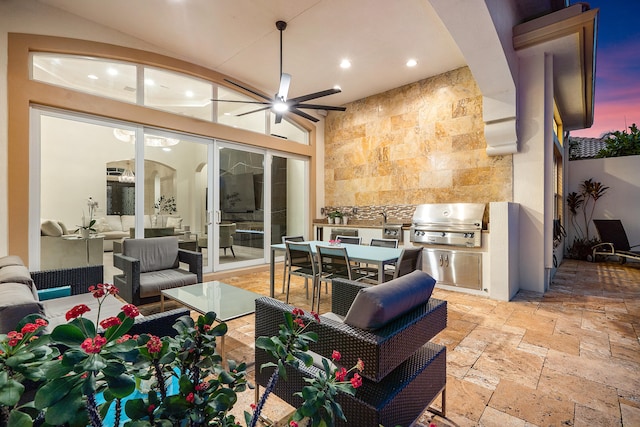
(153, 264)
(404, 373)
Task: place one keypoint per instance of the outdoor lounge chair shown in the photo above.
(614, 241)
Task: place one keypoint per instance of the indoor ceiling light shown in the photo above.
(412, 63)
(127, 176)
(149, 140)
(280, 106)
(345, 63)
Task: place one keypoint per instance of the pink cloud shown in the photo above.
(617, 102)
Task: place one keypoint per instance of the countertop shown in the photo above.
(359, 224)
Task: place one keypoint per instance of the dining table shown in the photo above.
(377, 255)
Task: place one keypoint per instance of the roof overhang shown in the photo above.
(570, 36)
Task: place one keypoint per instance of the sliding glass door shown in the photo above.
(228, 201)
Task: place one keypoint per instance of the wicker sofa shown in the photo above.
(404, 372)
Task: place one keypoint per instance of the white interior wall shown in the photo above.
(74, 157)
(622, 200)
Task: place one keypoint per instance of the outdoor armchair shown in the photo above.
(153, 264)
(614, 241)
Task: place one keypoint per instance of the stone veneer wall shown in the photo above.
(419, 143)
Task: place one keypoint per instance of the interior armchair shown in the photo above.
(153, 264)
(389, 327)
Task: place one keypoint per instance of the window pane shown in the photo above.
(288, 130)
(100, 77)
(228, 111)
(178, 94)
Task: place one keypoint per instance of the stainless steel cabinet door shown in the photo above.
(454, 268)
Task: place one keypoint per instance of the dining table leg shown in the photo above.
(272, 273)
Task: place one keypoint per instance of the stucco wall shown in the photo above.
(419, 143)
(622, 200)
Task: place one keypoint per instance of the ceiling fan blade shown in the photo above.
(241, 102)
(285, 81)
(254, 111)
(248, 90)
(321, 107)
(315, 95)
(303, 114)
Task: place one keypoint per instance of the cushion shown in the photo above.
(102, 225)
(153, 282)
(174, 221)
(16, 302)
(375, 306)
(115, 223)
(63, 227)
(15, 274)
(156, 253)
(51, 293)
(50, 228)
(128, 221)
(10, 260)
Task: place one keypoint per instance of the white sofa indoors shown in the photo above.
(116, 227)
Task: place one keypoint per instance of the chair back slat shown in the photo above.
(410, 260)
(385, 243)
(350, 240)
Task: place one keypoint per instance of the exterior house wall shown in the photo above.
(622, 200)
(419, 143)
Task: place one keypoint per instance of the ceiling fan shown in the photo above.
(280, 104)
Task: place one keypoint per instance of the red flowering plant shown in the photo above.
(22, 355)
(206, 392)
(291, 346)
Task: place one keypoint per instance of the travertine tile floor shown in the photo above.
(570, 357)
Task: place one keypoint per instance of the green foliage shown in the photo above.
(584, 202)
(622, 143)
(166, 205)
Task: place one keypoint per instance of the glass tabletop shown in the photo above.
(228, 302)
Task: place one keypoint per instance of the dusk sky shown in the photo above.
(617, 100)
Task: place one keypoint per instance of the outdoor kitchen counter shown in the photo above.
(359, 224)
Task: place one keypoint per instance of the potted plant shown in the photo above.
(87, 223)
(335, 217)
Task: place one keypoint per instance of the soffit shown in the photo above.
(570, 36)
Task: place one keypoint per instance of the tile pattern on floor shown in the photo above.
(570, 357)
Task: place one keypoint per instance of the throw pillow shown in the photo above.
(174, 221)
(102, 225)
(10, 260)
(63, 227)
(15, 274)
(50, 228)
(375, 306)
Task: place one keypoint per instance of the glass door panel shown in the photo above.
(288, 198)
(239, 220)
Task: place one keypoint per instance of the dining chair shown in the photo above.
(384, 243)
(302, 263)
(334, 262)
(286, 239)
(351, 240)
(410, 260)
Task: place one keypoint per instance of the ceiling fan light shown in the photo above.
(280, 106)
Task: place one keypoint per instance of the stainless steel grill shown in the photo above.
(452, 224)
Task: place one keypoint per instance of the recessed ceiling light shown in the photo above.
(345, 63)
(92, 77)
(412, 63)
(337, 87)
(149, 82)
(112, 71)
(189, 94)
(166, 149)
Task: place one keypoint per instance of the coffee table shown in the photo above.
(228, 302)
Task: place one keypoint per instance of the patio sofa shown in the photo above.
(19, 297)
